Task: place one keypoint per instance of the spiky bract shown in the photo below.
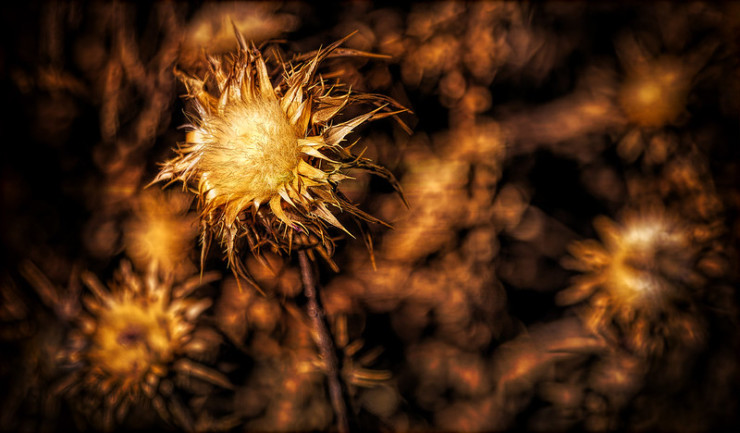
(654, 93)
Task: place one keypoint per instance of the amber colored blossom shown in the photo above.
(641, 282)
(654, 93)
(161, 232)
(135, 332)
(265, 153)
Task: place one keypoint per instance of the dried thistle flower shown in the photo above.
(262, 135)
(158, 237)
(654, 93)
(643, 281)
(137, 332)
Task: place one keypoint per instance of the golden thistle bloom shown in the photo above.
(136, 333)
(264, 155)
(642, 282)
(160, 234)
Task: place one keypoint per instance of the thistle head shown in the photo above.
(641, 280)
(159, 235)
(135, 331)
(264, 154)
(654, 93)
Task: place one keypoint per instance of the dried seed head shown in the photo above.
(641, 281)
(655, 93)
(259, 138)
(160, 234)
(137, 331)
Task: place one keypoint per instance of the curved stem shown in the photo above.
(327, 350)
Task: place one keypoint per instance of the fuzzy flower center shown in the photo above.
(252, 149)
(655, 95)
(640, 268)
(130, 339)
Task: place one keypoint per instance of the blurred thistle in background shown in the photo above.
(211, 29)
(567, 260)
(120, 347)
(645, 280)
(159, 236)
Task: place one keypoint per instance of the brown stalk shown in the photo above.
(327, 349)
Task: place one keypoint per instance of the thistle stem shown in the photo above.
(327, 349)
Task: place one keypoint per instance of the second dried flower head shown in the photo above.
(265, 155)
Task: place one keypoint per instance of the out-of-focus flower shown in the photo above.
(654, 92)
(159, 236)
(135, 332)
(640, 281)
(260, 141)
(211, 28)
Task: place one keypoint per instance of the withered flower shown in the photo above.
(159, 235)
(138, 330)
(643, 282)
(265, 155)
(654, 93)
